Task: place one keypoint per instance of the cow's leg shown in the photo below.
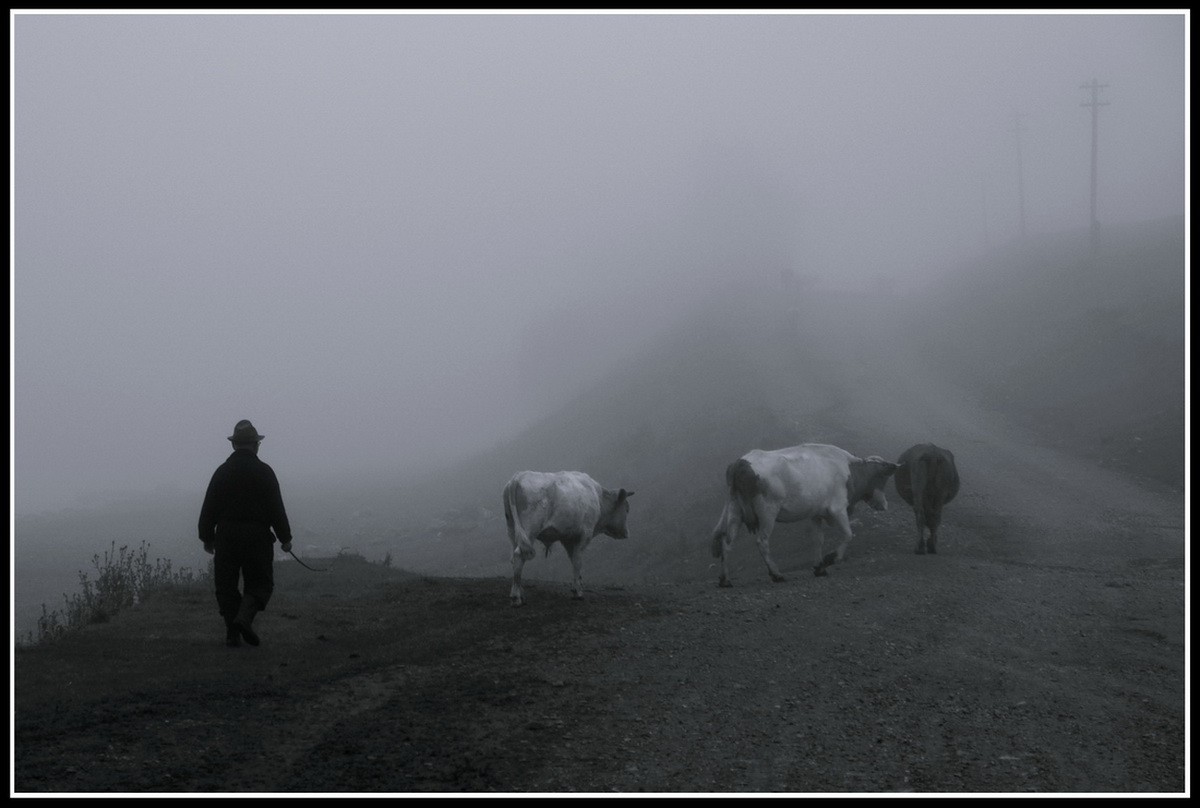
(722, 539)
(842, 521)
(920, 549)
(517, 594)
(766, 523)
(935, 521)
(818, 538)
(575, 552)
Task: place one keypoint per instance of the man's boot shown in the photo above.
(233, 637)
(245, 617)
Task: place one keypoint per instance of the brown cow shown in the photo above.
(927, 479)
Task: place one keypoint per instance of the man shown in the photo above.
(241, 508)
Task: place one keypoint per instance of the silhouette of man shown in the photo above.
(241, 507)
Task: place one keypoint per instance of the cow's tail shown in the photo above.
(924, 470)
(720, 531)
(516, 531)
(743, 486)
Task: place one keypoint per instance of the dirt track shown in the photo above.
(1042, 649)
(1039, 651)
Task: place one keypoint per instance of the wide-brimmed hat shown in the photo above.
(245, 432)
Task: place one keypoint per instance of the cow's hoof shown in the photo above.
(724, 583)
(517, 602)
(777, 579)
(933, 551)
(819, 571)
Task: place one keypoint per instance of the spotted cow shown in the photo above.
(811, 481)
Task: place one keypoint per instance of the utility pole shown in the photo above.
(987, 241)
(1020, 173)
(1095, 104)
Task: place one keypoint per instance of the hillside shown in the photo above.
(1086, 351)
(1079, 351)
(1042, 649)
(1083, 352)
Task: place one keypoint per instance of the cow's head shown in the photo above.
(614, 517)
(871, 479)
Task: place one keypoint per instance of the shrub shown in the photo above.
(124, 578)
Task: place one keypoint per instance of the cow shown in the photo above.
(927, 479)
(811, 481)
(566, 506)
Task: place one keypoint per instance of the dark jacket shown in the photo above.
(244, 489)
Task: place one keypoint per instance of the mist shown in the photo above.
(395, 241)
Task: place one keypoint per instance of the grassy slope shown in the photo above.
(1086, 351)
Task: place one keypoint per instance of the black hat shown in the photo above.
(245, 432)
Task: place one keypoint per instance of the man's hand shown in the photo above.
(286, 546)
(208, 547)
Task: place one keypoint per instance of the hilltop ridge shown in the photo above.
(1076, 350)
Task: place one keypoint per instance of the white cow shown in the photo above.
(811, 481)
(565, 506)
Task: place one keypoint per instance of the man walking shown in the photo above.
(241, 508)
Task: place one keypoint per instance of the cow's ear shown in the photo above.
(623, 494)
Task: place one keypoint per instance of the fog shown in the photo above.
(392, 241)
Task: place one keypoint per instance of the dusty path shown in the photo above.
(1041, 650)
(979, 670)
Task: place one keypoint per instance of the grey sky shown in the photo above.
(391, 240)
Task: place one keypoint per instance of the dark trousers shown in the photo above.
(247, 550)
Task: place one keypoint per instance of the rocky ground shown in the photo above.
(1042, 650)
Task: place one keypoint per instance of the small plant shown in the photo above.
(124, 578)
(349, 554)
